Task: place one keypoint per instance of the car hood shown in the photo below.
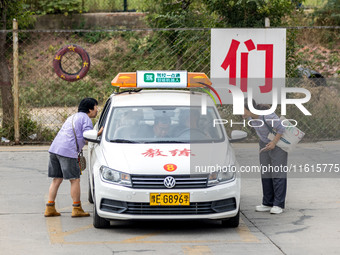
(156, 158)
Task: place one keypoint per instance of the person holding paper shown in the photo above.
(273, 159)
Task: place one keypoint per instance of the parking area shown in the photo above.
(310, 223)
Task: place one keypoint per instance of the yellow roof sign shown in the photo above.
(160, 79)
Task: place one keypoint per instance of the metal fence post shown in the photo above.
(16, 81)
(267, 22)
(125, 6)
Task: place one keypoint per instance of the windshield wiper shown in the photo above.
(121, 141)
(166, 141)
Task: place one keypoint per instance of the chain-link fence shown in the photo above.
(46, 100)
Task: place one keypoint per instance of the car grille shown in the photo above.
(156, 181)
(121, 207)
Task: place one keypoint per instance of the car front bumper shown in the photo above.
(123, 203)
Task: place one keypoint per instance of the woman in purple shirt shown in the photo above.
(273, 159)
(63, 163)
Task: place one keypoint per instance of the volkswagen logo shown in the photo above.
(169, 182)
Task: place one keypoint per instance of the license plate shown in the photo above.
(170, 199)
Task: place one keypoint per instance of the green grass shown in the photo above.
(314, 3)
(44, 93)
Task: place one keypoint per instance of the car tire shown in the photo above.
(90, 196)
(232, 222)
(99, 222)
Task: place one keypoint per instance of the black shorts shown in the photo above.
(63, 167)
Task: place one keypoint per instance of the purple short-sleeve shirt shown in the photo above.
(64, 144)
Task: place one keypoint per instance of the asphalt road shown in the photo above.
(309, 225)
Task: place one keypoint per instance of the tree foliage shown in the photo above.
(15, 9)
(329, 15)
(178, 14)
(55, 7)
(250, 13)
(9, 9)
(212, 14)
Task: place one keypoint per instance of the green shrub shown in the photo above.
(28, 127)
(329, 14)
(56, 6)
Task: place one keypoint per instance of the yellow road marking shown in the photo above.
(196, 250)
(57, 235)
(138, 238)
(245, 233)
(77, 230)
(54, 230)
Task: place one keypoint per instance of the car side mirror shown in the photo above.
(237, 135)
(91, 136)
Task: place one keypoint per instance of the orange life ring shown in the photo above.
(71, 76)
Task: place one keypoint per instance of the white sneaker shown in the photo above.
(263, 208)
(276, 210)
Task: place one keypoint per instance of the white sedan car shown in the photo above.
(161, 157)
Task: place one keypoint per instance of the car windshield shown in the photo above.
(163, 124)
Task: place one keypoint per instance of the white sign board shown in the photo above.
(247, 58)
(162, 79)
(254, 51)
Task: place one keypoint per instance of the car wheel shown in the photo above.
(232, 222)
(90, 196)
(99, 222)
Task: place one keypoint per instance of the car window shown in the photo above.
(104, 114)
(162, 124)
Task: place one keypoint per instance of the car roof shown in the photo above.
(159, 98)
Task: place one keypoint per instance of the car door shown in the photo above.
(92, 147)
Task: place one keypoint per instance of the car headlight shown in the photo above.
(115, 176)
(221, 176)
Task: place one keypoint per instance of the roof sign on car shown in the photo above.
(160, 79)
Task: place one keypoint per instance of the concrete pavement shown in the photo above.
(310, 223)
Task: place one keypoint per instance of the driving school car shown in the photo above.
(160, 156)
